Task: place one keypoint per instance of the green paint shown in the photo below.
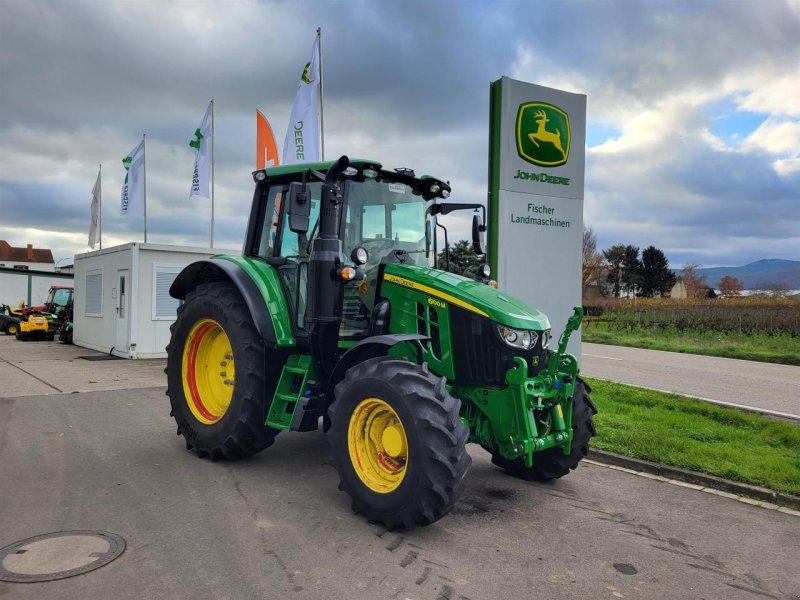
(305, 77)
(495, 114)
(291, 387)
(530, 414)
(126, 162)
(7, 270)
(198, 136)
(268, 283)
(542, 134)
(497, 305)
(30, 285)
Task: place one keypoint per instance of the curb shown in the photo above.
(709, 481)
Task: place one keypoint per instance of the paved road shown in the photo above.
(747, 383)
(275, 526)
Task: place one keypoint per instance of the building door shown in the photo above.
(122, 309)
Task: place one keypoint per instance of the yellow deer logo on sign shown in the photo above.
(543, 135)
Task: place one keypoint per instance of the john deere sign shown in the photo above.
(536, 158)
(543, 134)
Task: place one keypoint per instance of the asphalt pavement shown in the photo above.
(766, 387)
(275, 526)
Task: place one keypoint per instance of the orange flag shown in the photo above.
(266, 149)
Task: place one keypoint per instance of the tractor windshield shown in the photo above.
(383, 216)
(61, 297)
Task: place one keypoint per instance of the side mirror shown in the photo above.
(298, 207)
(478, 235)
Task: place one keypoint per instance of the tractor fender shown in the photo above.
(376, 345)
(213, 269)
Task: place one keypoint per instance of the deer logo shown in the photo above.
(543, 134)
(546, 136)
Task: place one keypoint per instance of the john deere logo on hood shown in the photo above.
(543, 134)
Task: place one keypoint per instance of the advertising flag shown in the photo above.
(95, 210)
(132, 200)
(202, 160)
(302, 136)
(266, 148)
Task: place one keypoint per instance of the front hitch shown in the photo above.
(532, 413)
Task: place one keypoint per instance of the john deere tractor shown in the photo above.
(335, 313)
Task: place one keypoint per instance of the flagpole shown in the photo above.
(212, 173)
(144, 180)
(100, 205)
(321, 119)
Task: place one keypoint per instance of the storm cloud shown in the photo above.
(693, 109)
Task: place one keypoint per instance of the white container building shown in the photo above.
(122, 301)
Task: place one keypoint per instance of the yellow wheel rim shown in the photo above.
(378, 446)
(12, 329)
(208, 371)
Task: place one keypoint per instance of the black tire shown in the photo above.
(553, 463)
(51, 337)
(11, 329)
(433, 482)
(240, 432)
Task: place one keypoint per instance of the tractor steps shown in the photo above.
(292, 394)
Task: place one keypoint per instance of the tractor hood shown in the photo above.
(469, 294)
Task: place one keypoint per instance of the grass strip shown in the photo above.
(783, 349)
(696, 435)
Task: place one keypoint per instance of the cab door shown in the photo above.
(295, 249)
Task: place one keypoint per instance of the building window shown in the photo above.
(94, 294)
(21, 267)
(164, 305)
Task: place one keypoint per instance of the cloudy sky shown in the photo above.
(693, 141)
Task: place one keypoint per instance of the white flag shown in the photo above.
(95, 212)
(202, 159)
(132, 200)
(302, 137)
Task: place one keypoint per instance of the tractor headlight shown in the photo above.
(518, 338)
(546, 335)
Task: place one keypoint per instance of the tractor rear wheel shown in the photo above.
(11, 329)
(219, 383)
(398, 442)
(553, 463)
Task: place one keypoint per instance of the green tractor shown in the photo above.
(336, 312)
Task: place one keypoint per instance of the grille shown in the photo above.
(481, 357)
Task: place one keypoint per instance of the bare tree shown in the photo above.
(592, 259)
(696, 286)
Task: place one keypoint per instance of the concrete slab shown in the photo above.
(275, 526)
(16, 382)
(41, 367)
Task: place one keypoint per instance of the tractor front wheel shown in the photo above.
(219, 383)
(398, 442)
(553, 463)
(11, 329)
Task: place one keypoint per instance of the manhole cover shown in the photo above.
(58, 555)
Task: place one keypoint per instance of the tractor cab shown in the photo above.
(59, 299)
(383, 216)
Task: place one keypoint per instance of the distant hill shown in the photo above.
(757, 275)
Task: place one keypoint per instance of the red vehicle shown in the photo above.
(60, 297)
